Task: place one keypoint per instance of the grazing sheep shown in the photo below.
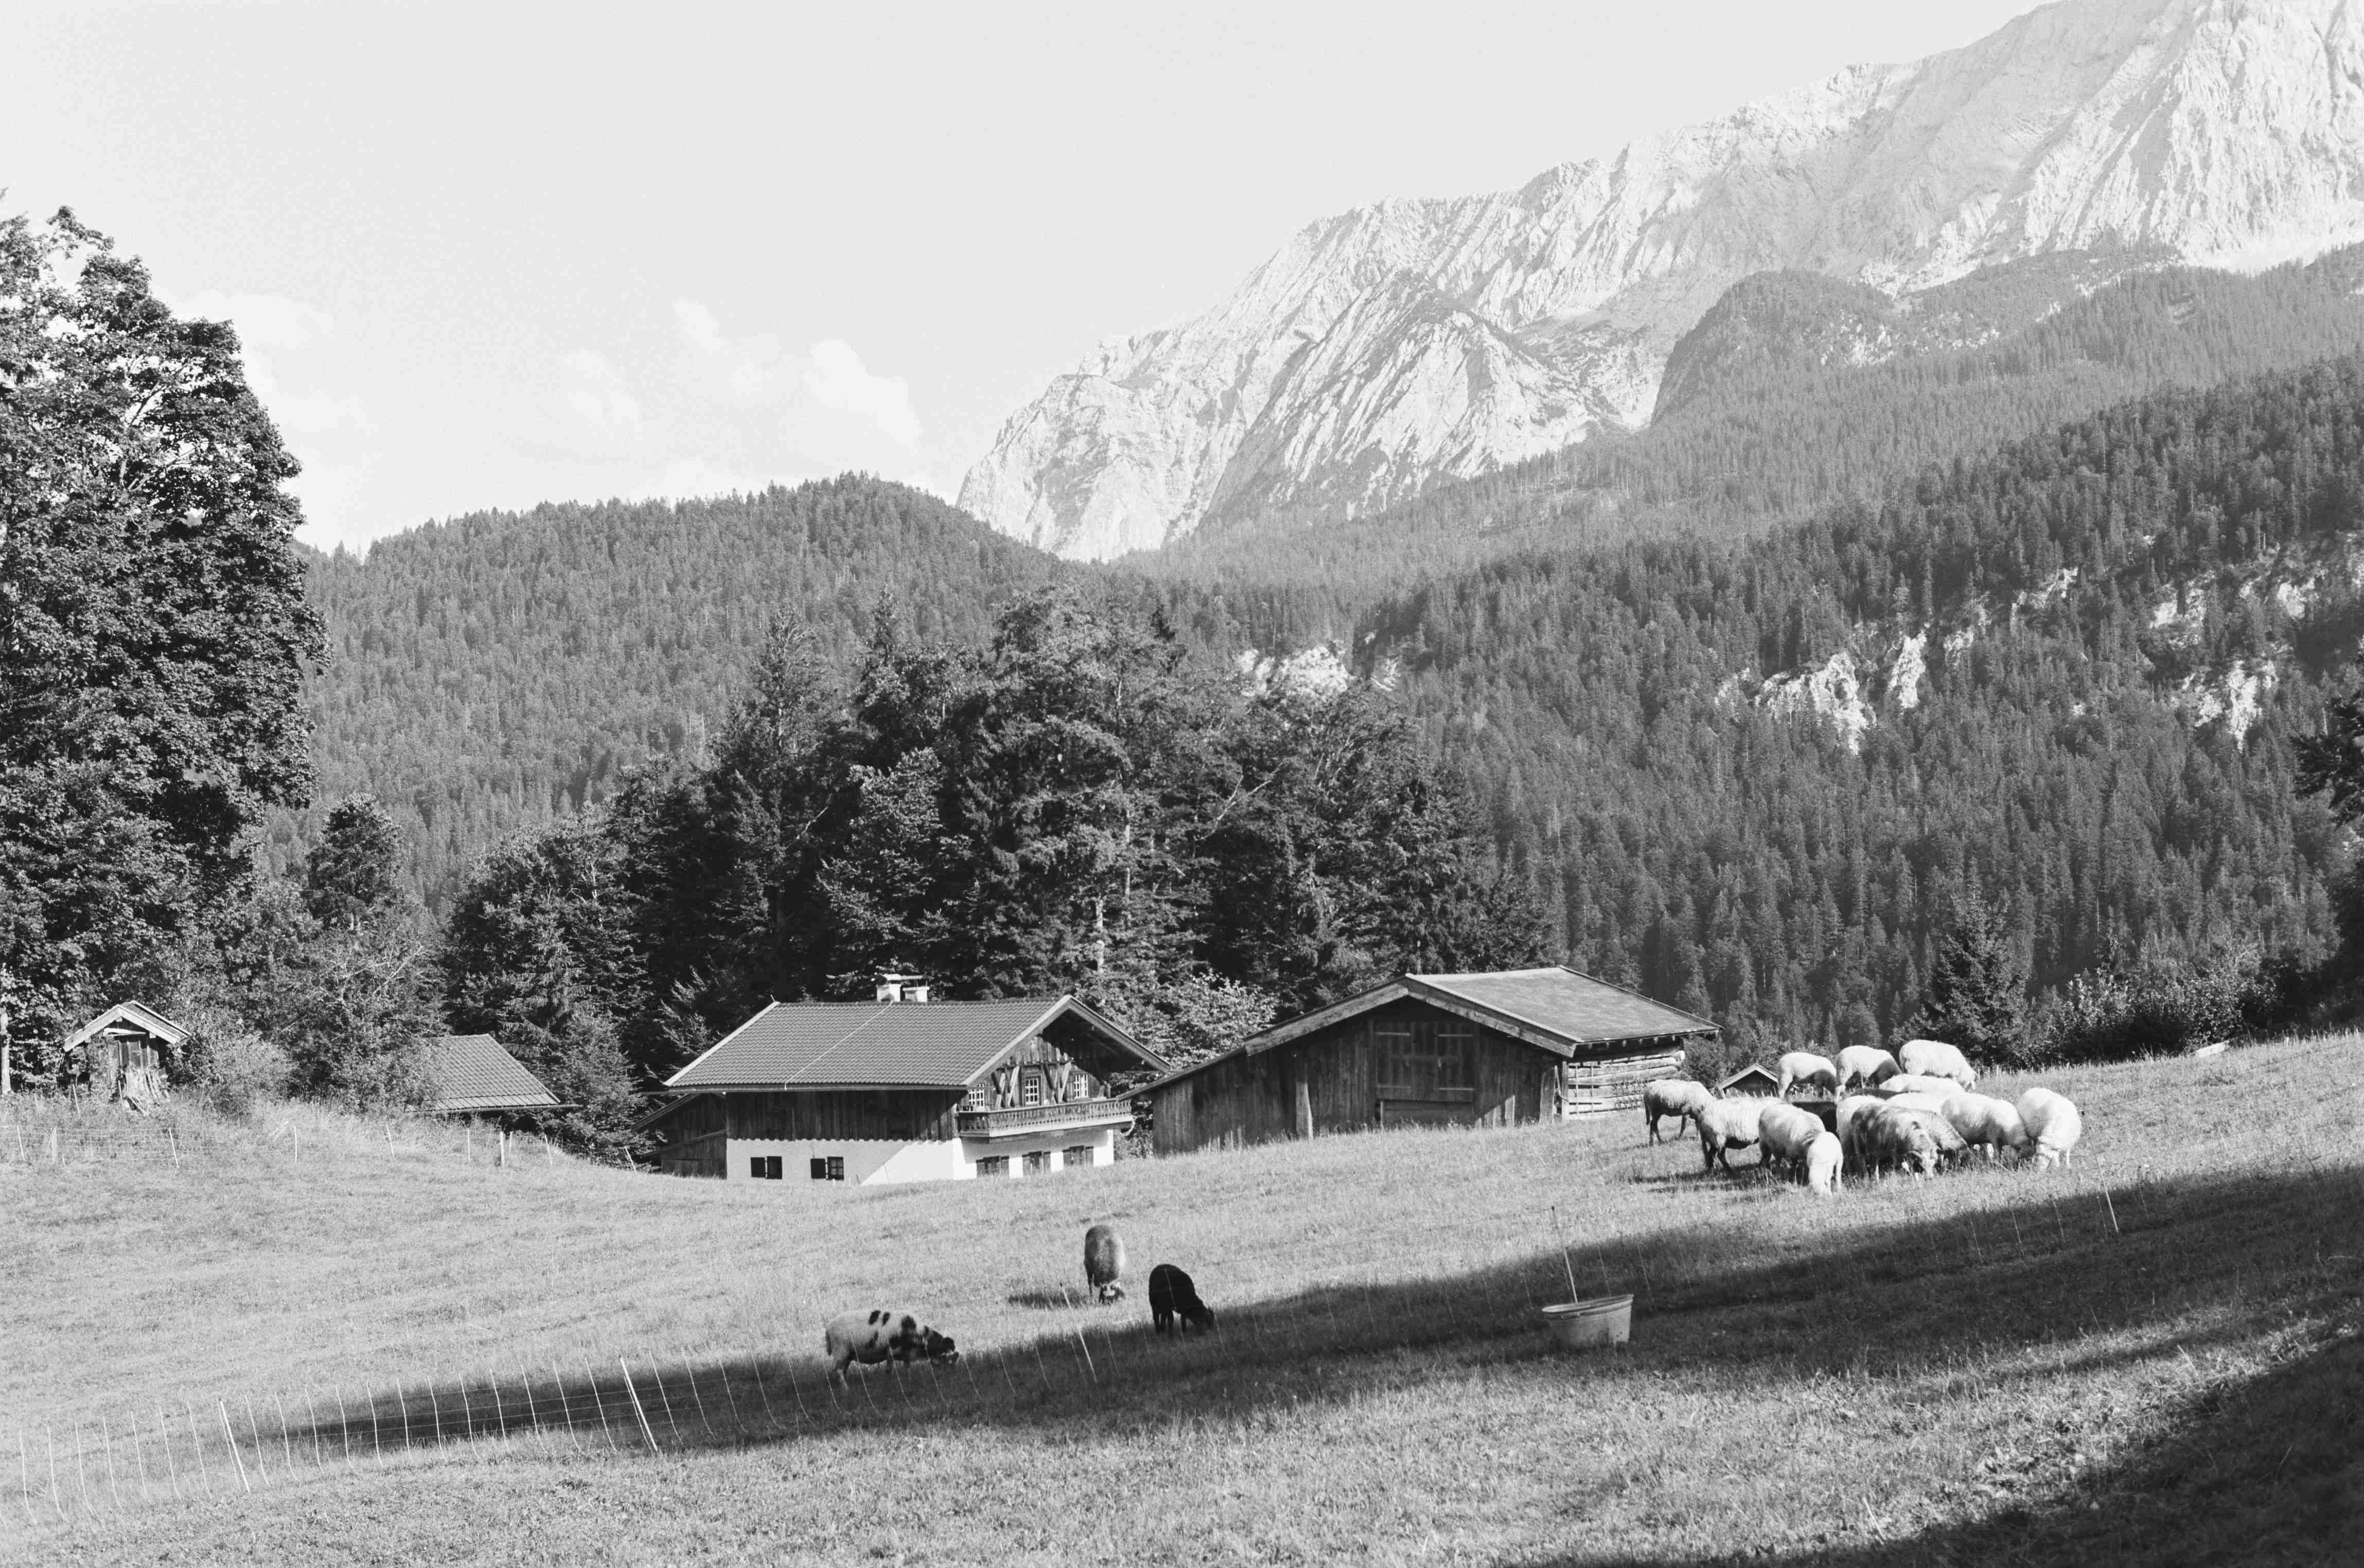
(1916, 1083)
(1805, 1067)
(1680, 1097)
(1726, 1125)
(1887, 1138)
(2050, 1122)
(1936, 1059)
(1851, 1112)
(1867, 1065)
(1104, 1262)
(1823, 1160)
(1173, 1295)
(883, 1335)
(1951, 1146)
(1785, 1133)
(1986, 1123)
(1922, 1099)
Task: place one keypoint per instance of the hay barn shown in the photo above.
(901, 1090)
(473, 1074)
(1470, 1049)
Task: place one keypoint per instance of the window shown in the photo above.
(1029, 1089)
(765, 1167)
(1424, 1058)
(1039, 1162)
(994, 1165)
(1081, 1154)
(831, 1168)
(974, 1100)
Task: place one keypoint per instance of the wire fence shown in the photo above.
(48, 1130)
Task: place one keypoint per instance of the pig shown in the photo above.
(883, 1335)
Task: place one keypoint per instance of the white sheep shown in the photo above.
(1680, 1097)
(1851, 1112)
(1922, 1100)
(1725, 1124)
(1823, 1160)
(1916, 1083)
(2050, 1122)
(1986, 1123)
(1805, 1067)
(1867, 1065)
(1936, 1059)
(1786, 1133)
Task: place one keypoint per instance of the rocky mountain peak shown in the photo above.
(1386, 348)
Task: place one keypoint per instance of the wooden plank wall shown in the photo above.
(1328, 1083)
(904, 1115)
(1599, 1085)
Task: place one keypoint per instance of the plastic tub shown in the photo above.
(1578, 1325)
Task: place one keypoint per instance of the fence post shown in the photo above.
(25, 1479)
(255, 1429)
(197, 1442)
(638, 1408)
(171, 1469)
(57, 1500)
(286, 1446)
(232, 1436)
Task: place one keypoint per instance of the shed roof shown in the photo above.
(1554, 1008)
(474, 1073)
(948, 1045)
(137, 1015)
(1756, 1069)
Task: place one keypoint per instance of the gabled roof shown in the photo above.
(1754, 1070)
(838, 1045)
(474, 1073)
(138, 1015)
(1555, 1009)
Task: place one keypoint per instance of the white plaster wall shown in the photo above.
(877, 1162)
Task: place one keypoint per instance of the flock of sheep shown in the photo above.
(1918, 1114)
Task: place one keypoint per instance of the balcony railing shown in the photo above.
(1014, 1122)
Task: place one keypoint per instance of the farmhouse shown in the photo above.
(1475, 1050)
(473, 1074)
(901, 1090)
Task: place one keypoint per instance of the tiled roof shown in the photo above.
(472, 1073)
(1555, 1009)
(1575, 1007)
(922, 1044)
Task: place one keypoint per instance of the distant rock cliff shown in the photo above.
(1397, 344)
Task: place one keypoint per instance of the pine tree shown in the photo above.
(1976, 996)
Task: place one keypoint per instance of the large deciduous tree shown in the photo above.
(152, 622)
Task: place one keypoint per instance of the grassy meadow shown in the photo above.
(2153, 1359)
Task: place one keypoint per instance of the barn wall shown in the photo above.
(693, 1139)
(1329, 1082)
(804, 1114)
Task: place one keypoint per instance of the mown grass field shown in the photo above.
(2154, 1359)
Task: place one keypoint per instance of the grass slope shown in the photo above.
(2154, 1359)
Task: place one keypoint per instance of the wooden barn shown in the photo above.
(473, 1074)
(1471, 1050)
(1755, 1081)
(126, 1053)
(901, 1090)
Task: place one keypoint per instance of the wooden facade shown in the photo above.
(1406, 1063)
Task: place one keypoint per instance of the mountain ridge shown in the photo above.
(2222, 130)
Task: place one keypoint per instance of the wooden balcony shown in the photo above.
(1023, 1121)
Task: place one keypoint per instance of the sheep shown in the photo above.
(1725, 1124)
(1867, 1065)
(1922, 1100)
(2050, 1122)
(1678, 1097)
(1988, 1124)
(1951, 1146)
(1805, 1067)
(1104, 1262)
(1823, 1160)
(1887, 1137)
(1785, 1133)
(1173, 1295)
(883, 1335)
(1851, 1112)
(1916, 1083)
(1936, 1059)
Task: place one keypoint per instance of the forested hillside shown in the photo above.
(1797, 391)
(1764, 780)
(488, 671)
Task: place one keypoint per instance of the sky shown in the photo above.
(482, 255)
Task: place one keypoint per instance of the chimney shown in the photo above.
(915, 994)
(893, 988)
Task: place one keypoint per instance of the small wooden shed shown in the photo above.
(1473, 1050)
(1754, 1081)
(473, 1074)
(127, 1050)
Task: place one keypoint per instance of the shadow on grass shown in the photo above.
(2049, 1261)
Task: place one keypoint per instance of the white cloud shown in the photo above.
(698, 324)
(837, 379)
(596, 390)
(263, 320)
